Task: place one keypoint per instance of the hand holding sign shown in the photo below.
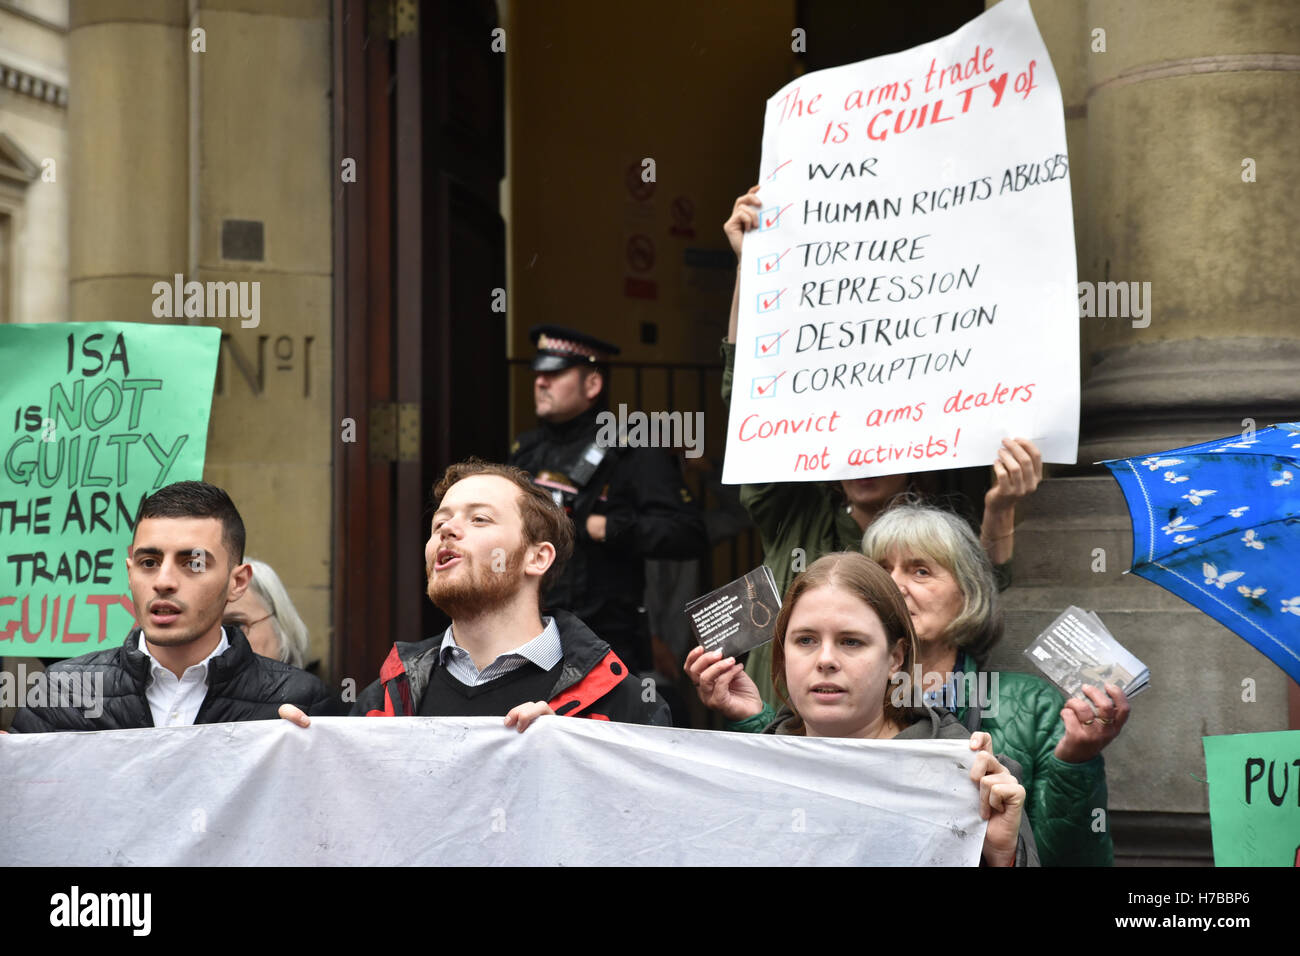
(914, 261)
(744, 217)
(1017, 472)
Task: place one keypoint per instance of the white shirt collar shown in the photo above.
(544, 650)
(223, 645)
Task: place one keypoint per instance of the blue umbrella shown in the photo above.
(1218, 524)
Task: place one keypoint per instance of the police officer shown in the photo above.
(627, 504)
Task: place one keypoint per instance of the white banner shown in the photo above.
(910, 296)
(467, 791)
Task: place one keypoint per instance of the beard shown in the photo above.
(476, 589)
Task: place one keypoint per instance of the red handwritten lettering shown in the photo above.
(37, 623)
(999, 394)
(883, 454)
(756, 427)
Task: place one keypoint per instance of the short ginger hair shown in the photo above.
(543, 519)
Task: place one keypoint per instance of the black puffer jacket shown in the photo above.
(241, 686)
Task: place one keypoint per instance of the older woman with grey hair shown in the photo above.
(947, 583)
(268, 618)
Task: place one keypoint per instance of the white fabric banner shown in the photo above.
(909, 297)
(468, 791)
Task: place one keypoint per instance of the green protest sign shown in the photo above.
(1254, 798)
(93, 417)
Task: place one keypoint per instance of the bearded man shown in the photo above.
(496, 541)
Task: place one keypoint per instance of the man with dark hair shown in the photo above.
(180, 666)
(627, 503)
(198, 499)
(495, 539)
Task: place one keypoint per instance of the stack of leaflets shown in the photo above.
(1076, 649)
(737, 617)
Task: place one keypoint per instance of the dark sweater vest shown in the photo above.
(447, 697)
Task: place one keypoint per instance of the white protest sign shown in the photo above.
(468, 791)
(909, 298)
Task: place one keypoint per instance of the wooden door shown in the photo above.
(420, 355)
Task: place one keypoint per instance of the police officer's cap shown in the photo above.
(559, 348)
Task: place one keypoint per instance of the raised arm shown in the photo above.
(1016, 475)
(744, 217)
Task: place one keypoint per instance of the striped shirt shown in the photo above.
(544, 650)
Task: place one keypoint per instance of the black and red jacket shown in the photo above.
(593, 682)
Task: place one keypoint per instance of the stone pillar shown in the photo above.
(200, 144)
(261, 171)
(1159, 126)
(1172, 115)
(127, 172)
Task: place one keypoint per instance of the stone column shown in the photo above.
(261, 171)
(127, 144)
(200, 144)
(1159, 125)
(1172, 115)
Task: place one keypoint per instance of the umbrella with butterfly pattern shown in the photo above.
(1218, 524)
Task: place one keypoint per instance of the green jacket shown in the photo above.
(1023, 717)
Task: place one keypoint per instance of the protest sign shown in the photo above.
(94, 417)
(468, 791)
(1254, 798)
(909, 296)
